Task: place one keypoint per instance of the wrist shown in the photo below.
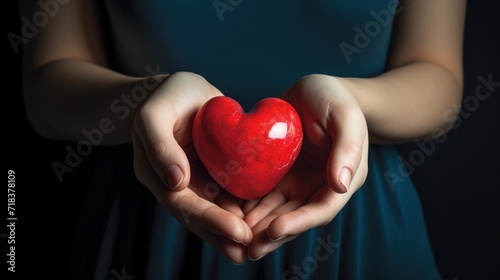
(359, 89)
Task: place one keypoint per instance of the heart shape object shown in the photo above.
(247, 153)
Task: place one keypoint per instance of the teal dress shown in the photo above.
(251, 49)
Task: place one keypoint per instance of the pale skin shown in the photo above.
(72, 89)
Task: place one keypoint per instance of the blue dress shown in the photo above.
(251, 50)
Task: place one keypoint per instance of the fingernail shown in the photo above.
(257, 258)
(174, 176)
(239, 242)
(238, 264)
(279, 238)
(345, 177)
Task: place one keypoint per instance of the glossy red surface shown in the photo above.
(247, 153)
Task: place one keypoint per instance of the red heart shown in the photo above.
(247, 153)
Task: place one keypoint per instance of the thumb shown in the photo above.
(163, 152)
(164, 124)
(348, 130)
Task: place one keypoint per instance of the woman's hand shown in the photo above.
(332, 165)
(166, 163)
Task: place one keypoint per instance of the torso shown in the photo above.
(252, 49)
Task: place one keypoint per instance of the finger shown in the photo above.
(164, 122)
(249, 205)
(229, 203)
(190, 209)
(264, 207)
(232, 246)
(320, 210)
(194, 211)
(347, 126)
(211, 191)
(236, 252)
(144, 171)
(162, 150)
(259, 250)
(261, 243)
(275, 230)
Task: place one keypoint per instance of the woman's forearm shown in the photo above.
(72, 100)
(417, 100)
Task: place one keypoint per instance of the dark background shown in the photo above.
(458, 181)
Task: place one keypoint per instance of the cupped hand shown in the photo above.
(332, 165)
(166, 163)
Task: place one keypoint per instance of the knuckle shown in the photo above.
(143, 115)
(157, 150)
(354, 151)
(186, 74)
